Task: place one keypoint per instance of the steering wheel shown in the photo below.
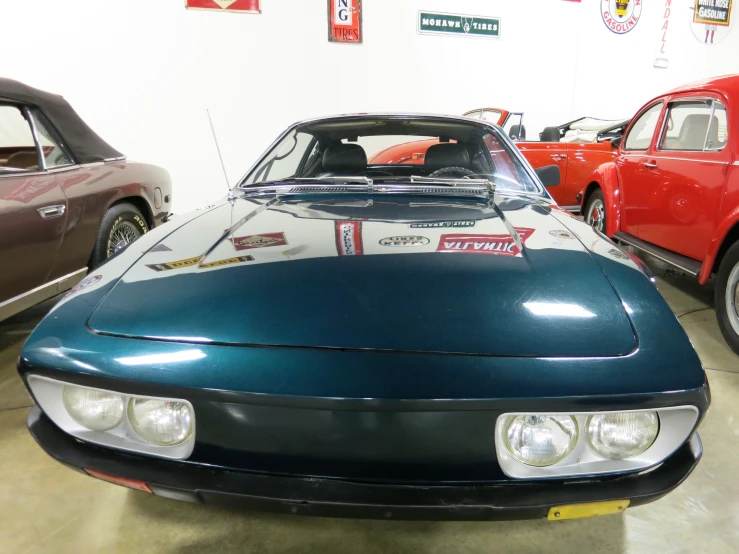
(452, 172)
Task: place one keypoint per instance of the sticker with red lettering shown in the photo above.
(349, 238)
(259, 241)
(500, 245)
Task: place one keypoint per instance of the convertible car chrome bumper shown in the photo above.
(343, 498)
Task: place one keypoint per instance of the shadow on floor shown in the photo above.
(227, 530)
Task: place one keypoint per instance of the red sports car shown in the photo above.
(576, 147)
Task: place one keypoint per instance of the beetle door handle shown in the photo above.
(559, 156)
(650, 165)
(49, 212)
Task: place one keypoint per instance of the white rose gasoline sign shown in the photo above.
(621, 16)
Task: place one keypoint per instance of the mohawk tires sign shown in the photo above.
(434, 23)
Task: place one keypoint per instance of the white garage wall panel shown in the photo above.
(143, 72)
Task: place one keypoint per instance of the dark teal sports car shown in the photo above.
(431, 338)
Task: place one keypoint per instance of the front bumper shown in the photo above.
(342, 498)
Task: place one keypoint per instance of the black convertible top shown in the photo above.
(86, 145)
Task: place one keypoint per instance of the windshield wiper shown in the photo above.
(333, 180)
(481, 188)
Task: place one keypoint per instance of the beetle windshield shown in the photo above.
(394, 149)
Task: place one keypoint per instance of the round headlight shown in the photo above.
(541, 440)
(160, 422)
(621, 436)
(94, 409)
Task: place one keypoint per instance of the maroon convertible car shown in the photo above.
(68, 200)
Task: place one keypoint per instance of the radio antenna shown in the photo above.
(220, 157)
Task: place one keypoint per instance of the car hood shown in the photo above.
(412, 275)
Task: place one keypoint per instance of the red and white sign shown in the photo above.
(259, 241)
(248, 6)
(500, 245)
(349, 238)
(621, 16)
(345, 21)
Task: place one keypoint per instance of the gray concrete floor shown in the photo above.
(45, 507)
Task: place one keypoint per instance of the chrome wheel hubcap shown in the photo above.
(123, 235)
(732, 298)
(597, 215)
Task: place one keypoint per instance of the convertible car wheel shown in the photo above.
(121, 225)
(727, 297)
(595, 211)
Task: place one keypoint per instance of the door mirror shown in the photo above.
(616, 142)
(549, 175)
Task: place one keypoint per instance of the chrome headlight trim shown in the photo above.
(676, 425)
(49, 395)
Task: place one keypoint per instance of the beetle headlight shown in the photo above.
(160, 422)
(96, 410)
(541, 440)
(625, 435)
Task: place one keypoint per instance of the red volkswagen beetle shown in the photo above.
(673, 188)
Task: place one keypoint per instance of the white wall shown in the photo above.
(143, 72)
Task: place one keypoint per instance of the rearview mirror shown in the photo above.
(549, 175)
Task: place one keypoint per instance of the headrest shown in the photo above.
(693, 131)
(550, 134)
(440, 156)
(23, 160)
(517, 132)
(345, 158)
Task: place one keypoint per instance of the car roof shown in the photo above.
(390, 115)
(726, 84)
(86, 145)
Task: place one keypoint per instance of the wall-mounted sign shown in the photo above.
(434, 23)
(247, 6)
(345, 21)
(621, 16)
(711, 21)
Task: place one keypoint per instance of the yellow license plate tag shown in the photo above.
(579, 511)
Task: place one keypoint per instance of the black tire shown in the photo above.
(725, 297)
(122, 224)
(596, 205)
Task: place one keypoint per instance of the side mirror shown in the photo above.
(549, 175)
(616, 142)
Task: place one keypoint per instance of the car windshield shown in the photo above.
(412, 150)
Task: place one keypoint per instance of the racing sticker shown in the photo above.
(86, 282)
(160, 248)
(349, 238)
(443, 224)
(237, 260)
(169, 266)
(618, 254)
(405, 241)
(561, 234)
(259, 241)
(501, 245)
(621, 16)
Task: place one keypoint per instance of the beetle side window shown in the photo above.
(694, 126)
(641, 133)
(54, 154)
(17, 147)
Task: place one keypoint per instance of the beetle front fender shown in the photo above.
(606, 177)
(725, 225)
